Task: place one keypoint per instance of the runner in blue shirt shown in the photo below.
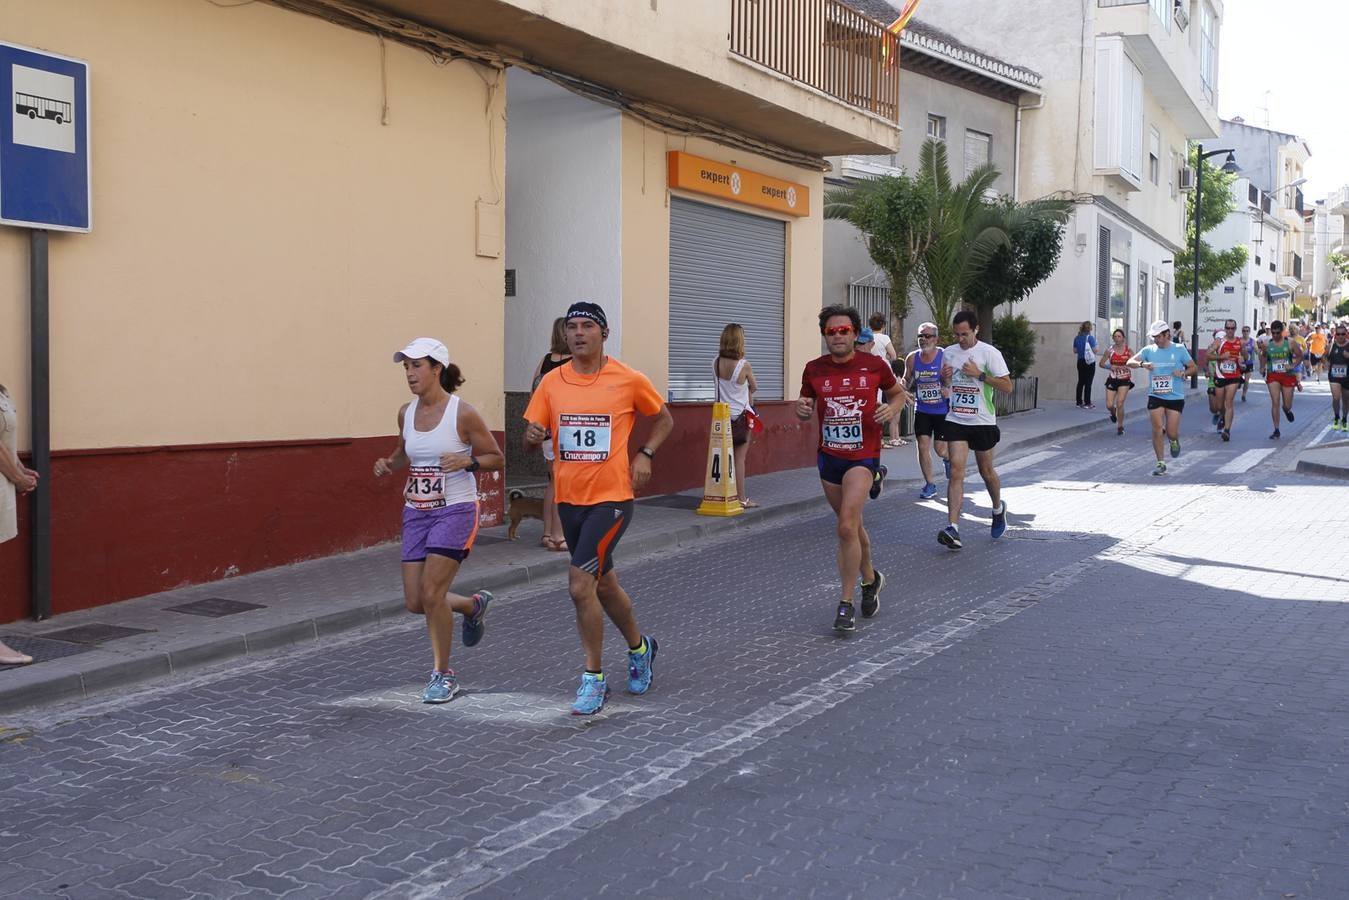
(1168, 364)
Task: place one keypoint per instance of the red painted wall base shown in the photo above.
(130, 522)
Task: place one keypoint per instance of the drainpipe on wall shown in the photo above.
(1016, 146)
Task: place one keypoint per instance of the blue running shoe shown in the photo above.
(949, 537)
(590, 696)
(1000, 521)
(928, 492)
(474, 625)
(877, 481)
(946, 464)
(639, 667)
(441, 688)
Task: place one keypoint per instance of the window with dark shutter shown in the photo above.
(1103, 273)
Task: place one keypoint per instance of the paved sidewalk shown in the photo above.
(302, 603)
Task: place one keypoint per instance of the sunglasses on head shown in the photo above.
(839, 329)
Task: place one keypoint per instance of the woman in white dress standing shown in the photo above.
(736, 387)
(18, 478)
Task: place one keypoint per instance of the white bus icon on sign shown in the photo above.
(35, 107)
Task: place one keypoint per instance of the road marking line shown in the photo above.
(1026, 462)
(1244, 462)
(1320, 437)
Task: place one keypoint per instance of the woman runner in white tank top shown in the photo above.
(442, 441)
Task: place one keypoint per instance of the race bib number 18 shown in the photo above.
(583, 438)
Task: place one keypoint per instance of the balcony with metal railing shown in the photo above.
(822, 44)
(812, 76)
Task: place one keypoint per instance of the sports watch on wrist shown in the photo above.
(647, 452)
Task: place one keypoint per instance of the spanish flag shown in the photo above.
(905, 15)
(889, 48)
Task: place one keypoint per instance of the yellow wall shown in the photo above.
(261, 243)
(646, 249)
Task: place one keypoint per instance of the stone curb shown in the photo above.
(97, 672)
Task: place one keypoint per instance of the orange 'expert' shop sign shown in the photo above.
(706, 176)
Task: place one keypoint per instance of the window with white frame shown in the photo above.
(1118, 121)
(1155, 156)
(1162, 10)
(936, 127)
(1174, 174)
(1208, 49)
(978, 150)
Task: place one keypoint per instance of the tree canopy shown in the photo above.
(1216, 204)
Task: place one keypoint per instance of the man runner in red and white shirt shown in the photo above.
(839, 391)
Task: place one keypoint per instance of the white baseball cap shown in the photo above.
(423, 347)
(1159, 326)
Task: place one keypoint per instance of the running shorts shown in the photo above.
(592, 533)
(1224, 382)
(1166, 403)
(930, 424)
(1314, 358)
(833, 468)
(448, 531)
(1287, 379)
(981, 438)
(1114, 384)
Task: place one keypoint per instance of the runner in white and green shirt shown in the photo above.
(972, 370)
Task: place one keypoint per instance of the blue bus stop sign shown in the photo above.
(44, 140)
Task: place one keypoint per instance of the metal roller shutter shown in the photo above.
(725, 266)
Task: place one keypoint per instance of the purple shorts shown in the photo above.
(445, 532)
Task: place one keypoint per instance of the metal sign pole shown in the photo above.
(40, 549)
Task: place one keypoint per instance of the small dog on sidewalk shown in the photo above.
(522, 507)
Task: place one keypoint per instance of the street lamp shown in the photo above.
(1229, 166)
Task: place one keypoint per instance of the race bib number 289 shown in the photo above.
(584, 438)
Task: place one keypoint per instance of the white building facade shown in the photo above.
(1127, 84)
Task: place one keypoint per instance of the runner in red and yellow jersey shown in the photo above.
(1230, 351)
(1121, 378)
(588, 407)
(839, 391)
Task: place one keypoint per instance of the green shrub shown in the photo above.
(1015, 337)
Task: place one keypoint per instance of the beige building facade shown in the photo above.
(287, 192)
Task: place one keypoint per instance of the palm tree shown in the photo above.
(936, 234)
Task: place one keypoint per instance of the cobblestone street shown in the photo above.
(1139, 691)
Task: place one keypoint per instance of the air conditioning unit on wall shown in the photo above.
(1186, 181)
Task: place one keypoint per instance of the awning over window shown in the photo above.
(1274, 293)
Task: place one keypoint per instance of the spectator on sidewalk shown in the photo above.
(735, 386)
(557, 355)
(18, 478)
(884, 347)
(1084, 348)
(1177, 334)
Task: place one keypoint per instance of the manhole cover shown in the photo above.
(41, 650)
(214, 607)
(95, 633)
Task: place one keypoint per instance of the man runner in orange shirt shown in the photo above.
(588, 407)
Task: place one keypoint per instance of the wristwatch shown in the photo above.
(647, 452)
(473, 464)
(983, 376)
